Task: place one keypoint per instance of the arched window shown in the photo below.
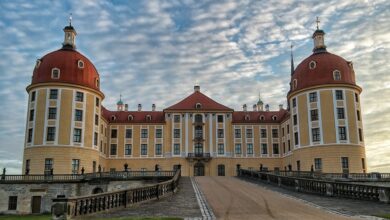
(274, 118)
(38, 63)
(130, 118)
(337, 75)
(198, 106)
(262, 118)
(295, 83)
(148, 118)
(55, 73)
(312, 64)
(113, 118)
(198, 118)
(80, 64)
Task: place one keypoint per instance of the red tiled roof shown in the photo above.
(254, 116)
(322, 74)
(138, 116)
(67, 61)
(189, 103)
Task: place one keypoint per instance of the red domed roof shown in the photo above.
(323, 71)
(67, 61)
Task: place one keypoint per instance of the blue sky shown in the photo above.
(155, 51)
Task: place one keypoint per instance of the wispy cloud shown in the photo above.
(155, 51)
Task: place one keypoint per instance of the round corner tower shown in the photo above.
(63, 117)
(325, 115)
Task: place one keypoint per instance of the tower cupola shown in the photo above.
(318, 39)
(69, 36)
(120, 104)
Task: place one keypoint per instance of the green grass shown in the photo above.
(386, 216)
(48, 217)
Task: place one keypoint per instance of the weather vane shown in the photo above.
(318, 22)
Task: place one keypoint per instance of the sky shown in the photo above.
(156, 51)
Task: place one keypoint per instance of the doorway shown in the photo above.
(199, 169)
(36, 204)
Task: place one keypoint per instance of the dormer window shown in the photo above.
(312, 64)
(148, 118)
(38, 63)
(55, 73)
(80, 64)
(198, 106)
(130, 118)
(295, 83)
(274, 118)
(113, 118)
(262, 118)
(247, 117)
(97, 82)
(337, 75)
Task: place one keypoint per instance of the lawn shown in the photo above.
(386, 216)
(48, 217)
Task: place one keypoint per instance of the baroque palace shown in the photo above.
(69, 131)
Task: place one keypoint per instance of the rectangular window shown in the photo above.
(237, 133)
(77, 135)
(360, 135)
(356, 97)
(275, 133)
(317, 163)
(12, 202)
(158, 149)
(176, 133)
(288, 129)
(282, 132)
(284, 148)
(264, 149)
(53, 94)
(342, 133)
(275, 148)
(238, 148)
(31, 118)
(129, 133)
(294, 102)
(263, 133)
(30, 134)
(75, 166)
(249, 133)
(52, 113)
(249, 148)
(158, 133)
(114, 133)
(144, 133)
(176, 118)
(295, 118)
(144, 149)
(340, 113)
(296, 138)
(51, 133)
(313, 97)
(97, 102)
(176, 149)
(315, 134)
(358, 115)
(220, 133)
(314, 115)
(27, 167)
(33, 96)
(97, 120)
(79, 96)
(48, 166)
(220, 118)
(113, 149)
(339, 95)
(95, 139)
(289, 145)
(363, 164)
(127, 149)
(221, 148)
(344, 163)
(78, 115)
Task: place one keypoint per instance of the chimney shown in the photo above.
(126, 107)
(267, 107)
(139, 107)
(153, 107)
(196, 88)
(244, 107)
(255, 108)
(281, 107)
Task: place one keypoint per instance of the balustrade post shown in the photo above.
(62, 209)
(297, 188)
(329, 189)
(268, 178)
(384, 195)
(157, 193)
(279, 181)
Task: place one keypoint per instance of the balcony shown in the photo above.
(199, 156)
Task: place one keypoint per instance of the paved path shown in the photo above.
(182, 204)
(231, 198)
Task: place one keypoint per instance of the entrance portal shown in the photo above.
(36, 204)
(199, 169)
